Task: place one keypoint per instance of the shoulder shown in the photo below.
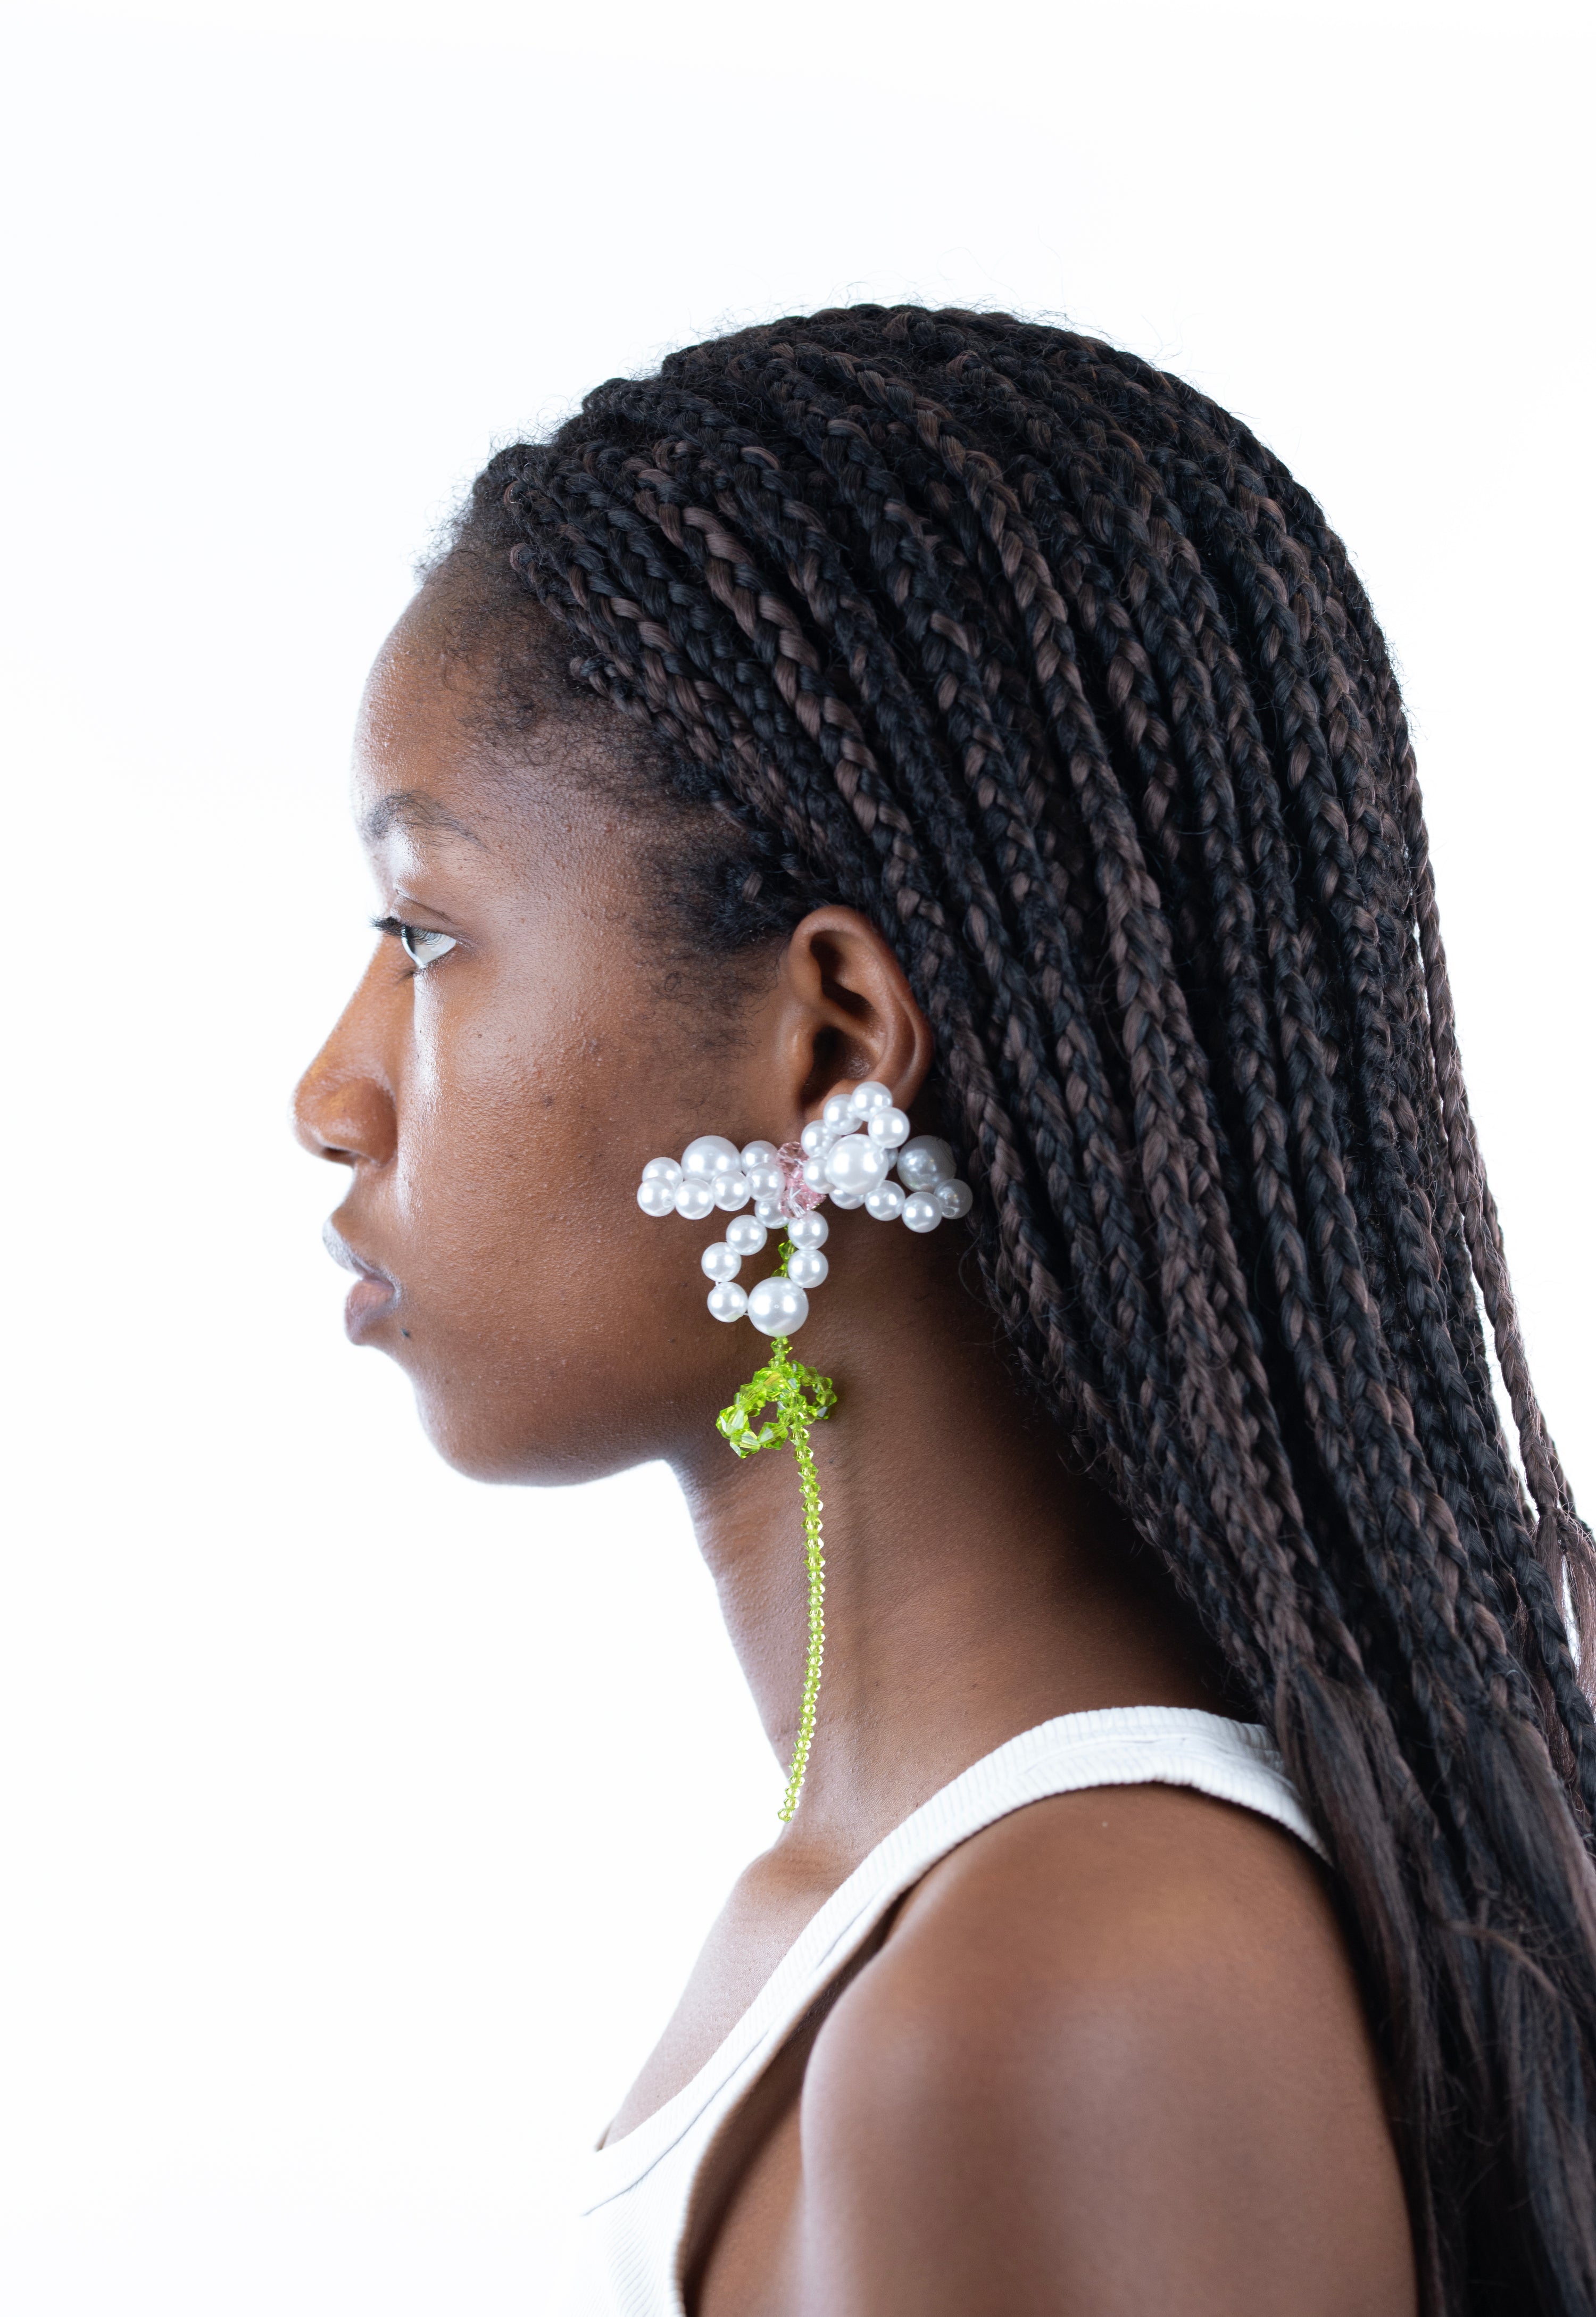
(1110, 2058)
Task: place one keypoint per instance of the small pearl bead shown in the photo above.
(870, 1097)
(815, 1174)
(709, 1154)
(765, 1182)
(921, 1211)
(745, 1235)
(731, 1192)
(663, 1171)
(656, 1198)
(778, 1307)
(889, 1127)
(856, 1164)
(768, 1211)
(838, 1112)
(925, 1162)
(808, 1230)
(817, 1139)
(847, 1199)
(728, 1301)
(719, 1261)
(885, 1203)
(954, 1198)
(694, 1198)
(806, 1266)
(758, 1154)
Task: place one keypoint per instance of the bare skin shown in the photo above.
(1108, 2056)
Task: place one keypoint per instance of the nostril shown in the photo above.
(344, 1116)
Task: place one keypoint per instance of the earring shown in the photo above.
(847, 1155)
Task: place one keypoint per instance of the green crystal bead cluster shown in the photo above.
(798, 1398)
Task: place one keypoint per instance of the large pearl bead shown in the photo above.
(663, 1171)
(889, 1127)
(656, 1198)
(885, 1203)
(856, 1164)
(709, 1154)
(758, 1154)
(921, 1211)
(745, 1235)
(870, 1097)
(728, 1301)
(719, 1261)
(731, 1192)
(778, 1307)
(694, 1198)
(925, 1162)
(808, 1230)
(837, 1112)
(954, 1199)
(806, 1266)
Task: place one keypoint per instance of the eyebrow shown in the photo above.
(411, 809)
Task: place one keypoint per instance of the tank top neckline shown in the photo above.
(1107, 1746)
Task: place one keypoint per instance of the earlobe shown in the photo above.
(858, 1017)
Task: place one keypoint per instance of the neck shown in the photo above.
(974, 1586)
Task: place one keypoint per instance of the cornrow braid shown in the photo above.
(1037, 658)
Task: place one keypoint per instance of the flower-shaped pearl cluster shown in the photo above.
(846, 1154)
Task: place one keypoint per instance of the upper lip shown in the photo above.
(341, 1251)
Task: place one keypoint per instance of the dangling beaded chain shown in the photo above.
(784, 1383)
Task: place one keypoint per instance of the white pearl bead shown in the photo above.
(663, 1171)
(889, 1127)
(731, 1192)
(806, 1266)
(728, 1301)
(847, 1199)
(925, 1162)
(719, 1261)
(921, 1211)
(954, 1198)
(815, 1175)
(856, 1164)
(765, 1182)
(817, 1139)
(656, 1198)
(758, 1154)
(709, 1155)
(694, 1198)
(808, 1230)
(870, 1096)
(885, 1203)
(778, 1307)
(768, 1211)
(837, 1112)
(745, 1235)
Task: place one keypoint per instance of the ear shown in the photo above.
(843, 1009)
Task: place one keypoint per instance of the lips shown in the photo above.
(373, 1292)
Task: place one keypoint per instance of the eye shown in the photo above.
(423, 947)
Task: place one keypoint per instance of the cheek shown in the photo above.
(546, 1309)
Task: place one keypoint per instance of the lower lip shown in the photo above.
(366, 1302)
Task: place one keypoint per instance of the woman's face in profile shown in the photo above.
(501, 1072)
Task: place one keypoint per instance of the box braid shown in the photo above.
(1038, 660)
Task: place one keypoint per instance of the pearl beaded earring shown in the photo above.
(847, 1155)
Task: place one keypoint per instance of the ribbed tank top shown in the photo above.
(637, 2192)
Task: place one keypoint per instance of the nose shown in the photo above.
(343, 1106)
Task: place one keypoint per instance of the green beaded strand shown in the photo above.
(800, 1397)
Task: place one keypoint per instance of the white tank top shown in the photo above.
(637, 2192)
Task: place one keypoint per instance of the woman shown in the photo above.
(1187, 1905)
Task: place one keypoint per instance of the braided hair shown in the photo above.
(1041, 661)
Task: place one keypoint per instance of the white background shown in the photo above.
(356, 1823)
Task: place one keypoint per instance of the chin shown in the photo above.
(488, 1444)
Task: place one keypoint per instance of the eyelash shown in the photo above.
(407, 935)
